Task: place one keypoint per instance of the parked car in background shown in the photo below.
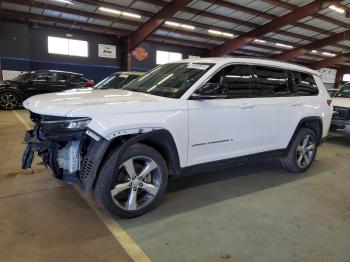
(182, 117)
(14, 92)
(118, 80)
(341, 111)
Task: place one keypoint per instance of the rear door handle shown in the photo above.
(294, 103)
(245, 106)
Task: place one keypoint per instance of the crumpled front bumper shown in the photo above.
(73, 158)
(33, 145)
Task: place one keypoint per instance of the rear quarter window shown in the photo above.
(305, 84)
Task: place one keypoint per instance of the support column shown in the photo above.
(338, 78)
(126, 56)
(1, 77)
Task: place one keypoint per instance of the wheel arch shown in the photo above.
(16, 91)
(314, 123)
(160, 139)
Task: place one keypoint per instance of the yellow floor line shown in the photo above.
(133, 250)
(23, 121)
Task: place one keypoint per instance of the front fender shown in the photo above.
(97, 152)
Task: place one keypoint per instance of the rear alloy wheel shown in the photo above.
(9, 100)
(136, 185)
(306, 151)
(302, 152)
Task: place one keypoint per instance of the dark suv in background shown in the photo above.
(14, 92)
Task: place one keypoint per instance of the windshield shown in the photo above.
(22, 77)
(344, 91)
(115, 81)
(169, 80)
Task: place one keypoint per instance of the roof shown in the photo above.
(56, 71)
(259, 61)
(131, 73)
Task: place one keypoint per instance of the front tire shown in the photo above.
(302, 151)
(9, 100)
(134, 186)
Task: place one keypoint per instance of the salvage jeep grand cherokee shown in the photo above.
(179, 118)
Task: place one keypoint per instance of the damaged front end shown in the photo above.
(67, 146)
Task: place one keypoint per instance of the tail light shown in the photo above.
(90, 83)
(329, 102)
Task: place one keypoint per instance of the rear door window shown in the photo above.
(270, 82)
(42, 77)
(305, 84)
(63, 78)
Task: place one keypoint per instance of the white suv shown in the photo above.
(180, 118)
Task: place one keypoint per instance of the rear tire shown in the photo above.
(9, 100)
(302, 151)
(134, 186)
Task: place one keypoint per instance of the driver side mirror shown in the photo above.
(210, 91)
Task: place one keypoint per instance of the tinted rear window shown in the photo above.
(305, 84)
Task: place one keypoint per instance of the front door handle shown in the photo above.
(245, 106)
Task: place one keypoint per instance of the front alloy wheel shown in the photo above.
(138, 183)
(135, 186)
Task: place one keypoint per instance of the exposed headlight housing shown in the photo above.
(65, 124)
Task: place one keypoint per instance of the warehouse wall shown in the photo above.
(24, 48)
(152, 47)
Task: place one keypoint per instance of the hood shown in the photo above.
(62, 103)
(341, 101)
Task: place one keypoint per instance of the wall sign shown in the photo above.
(328, 75)
(107, 51)
(140, 53)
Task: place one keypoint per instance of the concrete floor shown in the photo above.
(252, 213)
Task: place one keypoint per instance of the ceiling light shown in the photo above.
(117, 12)
(131, 15)
(337, 9)
(109, 10)
(172, 23)
(215, 32)
(328, 54)
(283, 45)
(314, 51)
(65, 1)
(259, 41)
(191, 27)
(227, 34)
(184, 26)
